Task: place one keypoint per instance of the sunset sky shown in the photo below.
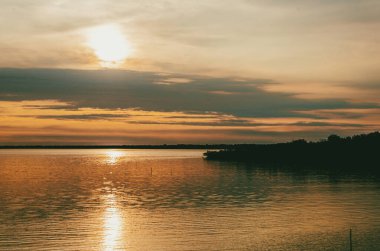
(169, 71)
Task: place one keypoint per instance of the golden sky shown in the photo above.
(165, 71)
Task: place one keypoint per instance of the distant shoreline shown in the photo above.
(179, 146)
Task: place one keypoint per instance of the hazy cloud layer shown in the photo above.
(288, 41)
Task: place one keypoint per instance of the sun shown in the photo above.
(109, 44)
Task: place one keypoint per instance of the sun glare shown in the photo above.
(114, 156)
(109, 44)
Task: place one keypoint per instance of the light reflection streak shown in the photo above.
(112, 225)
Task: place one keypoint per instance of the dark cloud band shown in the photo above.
(113, 89)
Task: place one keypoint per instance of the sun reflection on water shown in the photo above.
(112, 224)
(113, 156)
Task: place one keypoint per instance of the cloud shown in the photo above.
(117, 89)
(104, 116)
(238, 123)
(43, 106)
(161, 136)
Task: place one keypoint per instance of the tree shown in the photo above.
(334, 138)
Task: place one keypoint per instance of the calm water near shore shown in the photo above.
(175, 200)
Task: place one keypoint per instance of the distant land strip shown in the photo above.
(164, 146)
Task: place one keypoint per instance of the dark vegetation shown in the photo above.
(360, 151)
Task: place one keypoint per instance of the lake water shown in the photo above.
(175, 200)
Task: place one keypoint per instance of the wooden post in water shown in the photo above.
(350, 239)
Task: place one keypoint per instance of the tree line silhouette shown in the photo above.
(361, 151)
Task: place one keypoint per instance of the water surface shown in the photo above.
(175, 200)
